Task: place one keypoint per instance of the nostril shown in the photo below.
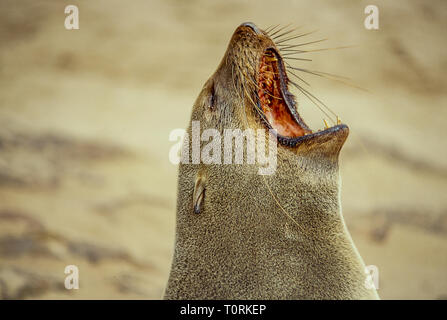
(252, 26)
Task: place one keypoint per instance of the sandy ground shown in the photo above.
(85, 117)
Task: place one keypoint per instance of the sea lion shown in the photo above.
(244, 235)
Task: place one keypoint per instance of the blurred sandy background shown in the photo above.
(85, 117)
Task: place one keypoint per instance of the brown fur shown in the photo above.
(242, 244)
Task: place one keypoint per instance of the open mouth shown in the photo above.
(277, 104)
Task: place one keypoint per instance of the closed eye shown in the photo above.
(212, 102)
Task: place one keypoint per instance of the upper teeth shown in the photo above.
(338, 120)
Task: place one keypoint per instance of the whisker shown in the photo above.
(283, 210)
(237, 91)
(297, 76)
(303, 44)
(285, 33)
(291, 53)
(247, 94)
(296, 51)
(294, 37)
(289, 49)
(319, 73)
(280, 29)
(322, 103)
(266, 30)
(301, 89)
(254, 104)
(257, 87)
(301, 59)
(271, 28)
(326, 49)
(330, 76)
(309, 96)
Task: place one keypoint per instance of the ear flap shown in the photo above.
(199, 193)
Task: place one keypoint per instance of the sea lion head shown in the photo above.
(242, 234)
(250, 88)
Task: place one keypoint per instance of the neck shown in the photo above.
(265, 237)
